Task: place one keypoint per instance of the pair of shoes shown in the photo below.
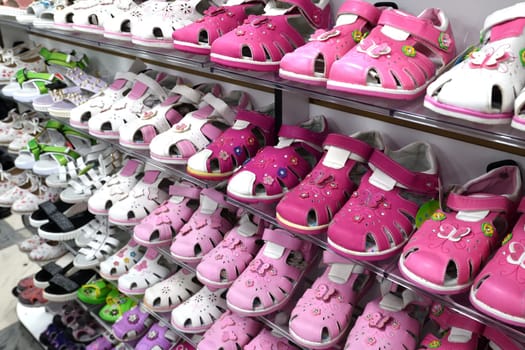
(236, 332)
(447, 252)
(363, 55)
(487, 86)
(28, 294)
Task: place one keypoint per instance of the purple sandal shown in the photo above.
(158, 337)
(277, 169)
(133, 324)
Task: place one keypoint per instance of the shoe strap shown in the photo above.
(361, 8)
(420, 28)
(313, 13)
(258, 119)
(217, 197)
(354, 146)
(282, 238)
(187, 94)
(495, 203)
(144, 81)
(504, 15)
(418, 182)
(315, 139)
(185, 191)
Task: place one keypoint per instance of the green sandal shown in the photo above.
(116, 304)
(95, 292)
(33, 84)
(62, 59)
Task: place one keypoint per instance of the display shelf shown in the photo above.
(459, 303)
(398, 111)
(34, 319)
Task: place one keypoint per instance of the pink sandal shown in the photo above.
(160, 227)
(217, 21)
(270, 279)
(266, 340)
(224, 263)
(447, 252)
(380, 327)
(230, 332)
(250, 132)
(498, 289)
(277, 169)
(311, 62)
(260, 43)
(456, 332)
(399, 58)
(198, 128)
(205, 229)
(374, 224)
(309, 207)
(322, 315)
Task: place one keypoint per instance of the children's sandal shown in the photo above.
(162, 225)
(270, 279)
(261, 41)
(205, 229)
(277, 169)
(311, 62)
(309, 207)
(225, 154)
(374, 223)
(448, 250)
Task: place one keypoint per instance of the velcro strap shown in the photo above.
(504, 15)
(185, 191)
(350, 144)
(362, 9)
(214, 195)
(48, 208)
(479, 202)
(65, 283)
(155, 87)
(129, 76)
(302, 134)
(220, 107)
(308, 9)
(420, 28)
(418, 182)
(52, 268)
(283, 238)
(62, 221)
(263, 121)
(194, 96)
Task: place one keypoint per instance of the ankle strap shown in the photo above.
(258, 119)
(490, 202)
(352, 145)
(282, 238)
(418, 182)
(361, 8)
(185, 191)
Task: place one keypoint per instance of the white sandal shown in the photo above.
(99, 249)
(122, 261)
(197, 129)
(198, 313)
(170, 293)
(151, 269)
(181, 100)
(148, 90)
(146, 196)
(116, 188)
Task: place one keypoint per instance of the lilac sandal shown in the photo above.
(221, 158)
(448, 251)
(277, 169)
(205, 229)
(224, 263)
(309, 207)
(230, 332)
(270, 279)
(133, 324)
(374, 224)
(160, 227)
(159, 337)
(322, 315)
(267, 340)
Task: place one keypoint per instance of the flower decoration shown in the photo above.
(488, 229)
